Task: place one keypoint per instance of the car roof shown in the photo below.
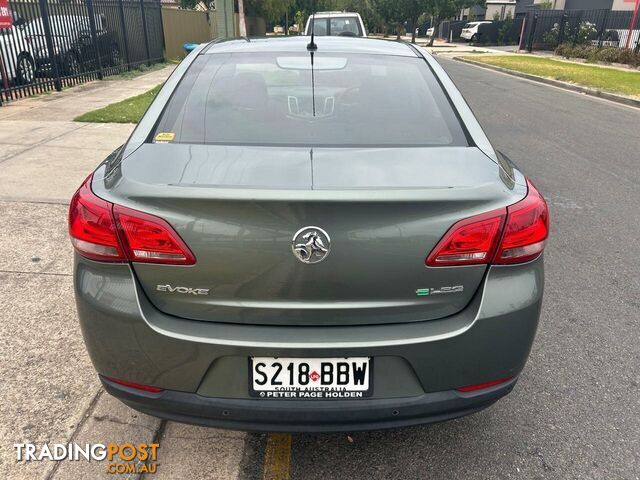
(335, 14)
(371, 46)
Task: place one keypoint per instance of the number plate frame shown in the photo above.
(262, 394)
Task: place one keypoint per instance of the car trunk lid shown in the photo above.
(239, 208)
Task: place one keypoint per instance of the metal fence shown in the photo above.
(450, 30)
(51, 44)
(546, 29)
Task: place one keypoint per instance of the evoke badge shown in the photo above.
(183, 290)
(311, 245)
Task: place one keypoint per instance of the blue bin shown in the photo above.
(189, 47)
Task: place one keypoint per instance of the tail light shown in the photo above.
(516, 234)
(106, 232)
(526, 231)
(91, 226)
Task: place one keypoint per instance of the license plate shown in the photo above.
(310, 378)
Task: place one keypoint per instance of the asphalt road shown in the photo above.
(576, 410)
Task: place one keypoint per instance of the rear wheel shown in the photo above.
(25, 69)
(72, 64)
(114, 56)
(474, 39)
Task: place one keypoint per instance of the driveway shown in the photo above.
(574, 414)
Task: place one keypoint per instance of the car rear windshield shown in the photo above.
(337, 26)
(279, 99)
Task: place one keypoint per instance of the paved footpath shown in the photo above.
(49, 391)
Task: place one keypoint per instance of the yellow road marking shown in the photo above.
(277, 457)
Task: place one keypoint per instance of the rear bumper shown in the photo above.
(309, 416)
(202, 366)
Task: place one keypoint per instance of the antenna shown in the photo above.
(312, 47)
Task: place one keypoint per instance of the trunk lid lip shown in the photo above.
(414, 175)
(134, 200)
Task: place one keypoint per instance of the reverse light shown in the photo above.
(106, 232)
(471, 241)
(150, 239)
(516, 234)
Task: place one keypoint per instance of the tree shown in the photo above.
(299, 18)
(440, 10)
(396, 12)
(191, 4)
(366, 10)
(391, 12)
(271, 10)
(242, 21)
(413, 9)
(299, 10)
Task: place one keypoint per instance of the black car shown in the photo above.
(74, 48)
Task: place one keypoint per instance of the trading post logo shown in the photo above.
(126, 458)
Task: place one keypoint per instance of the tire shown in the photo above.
(71, 64)
(25, 69)
(474, 39)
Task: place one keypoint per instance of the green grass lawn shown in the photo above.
(126, 111)
(600, 78)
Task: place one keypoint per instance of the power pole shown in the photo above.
(633, 23)
(241, 20)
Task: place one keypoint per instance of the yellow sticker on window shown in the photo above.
(165, 137)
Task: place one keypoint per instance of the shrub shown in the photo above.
(592, 53)
(609, 54)
(564, 50)
(630, 58)
(584, 32)
(505, 30)
(551, 37)
(583, 51)
(580, 34)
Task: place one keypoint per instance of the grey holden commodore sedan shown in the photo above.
(308, 238)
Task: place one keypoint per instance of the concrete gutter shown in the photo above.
(632, 102)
